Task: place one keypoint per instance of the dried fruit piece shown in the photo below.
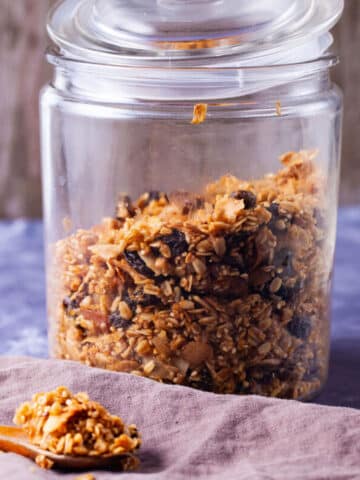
(248, 197)
(70, 303)
(275, 214)
(289, 293)
(204, 382)
(237, 239)
(125, 207)
(138, 297)
(187, 202)
(152, 196)
(117, 321)
(313, 371)
(197, 352)
(283, 258)
(176, 241)
(138, 264)
(300, 327)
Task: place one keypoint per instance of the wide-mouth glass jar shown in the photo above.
(191, 156)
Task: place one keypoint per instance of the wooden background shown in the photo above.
(23, 71)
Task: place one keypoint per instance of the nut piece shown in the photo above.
(275, 285)
(125, 311)
(197, 353)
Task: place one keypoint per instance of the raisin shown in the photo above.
(199, 202)
(176, 242)
(283, 259)
(117, 321)
(241, 389)
(205, 382)
(138, 264)
(155, 195)
(300, 327)
(146, 300)
(124, 208)
(274, 223)
(248, 197)
(232, 288)
(236, 239)
(286, 372)
(192, 205)
(186, 201)
(234, 261)
(129, 301)
(286, 293)
(312, 372)
(263, 376)
(159, 279)
(268, 377)
(70, 303)
(155, 251)
(275, 215)
(274, 210)
(289, 293)
(138, 297)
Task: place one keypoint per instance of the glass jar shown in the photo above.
(190, 176)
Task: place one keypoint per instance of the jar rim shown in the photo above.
(176, 83)
(56, 57)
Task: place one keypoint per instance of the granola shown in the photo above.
(43, 462)
(225, 291)
(68, 424)
(199, 113)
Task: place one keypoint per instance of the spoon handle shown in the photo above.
(13, 439)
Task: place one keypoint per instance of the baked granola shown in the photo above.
(199, 113)
(43, 462)
(225, 291)
(68, 424)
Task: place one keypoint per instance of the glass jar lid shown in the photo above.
(194, 32)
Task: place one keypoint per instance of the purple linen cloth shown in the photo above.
(188, 434)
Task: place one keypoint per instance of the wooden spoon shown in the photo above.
(14, 439)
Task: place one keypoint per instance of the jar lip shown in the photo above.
(58, 58)
(177, 83)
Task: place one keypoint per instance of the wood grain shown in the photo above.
(347, 75)
(23, 71)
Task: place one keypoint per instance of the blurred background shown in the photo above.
(23, 71)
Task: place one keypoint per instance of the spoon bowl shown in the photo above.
(15, 440)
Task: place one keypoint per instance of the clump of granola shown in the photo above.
(43, 462)
(68, 424)
(226, 290)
